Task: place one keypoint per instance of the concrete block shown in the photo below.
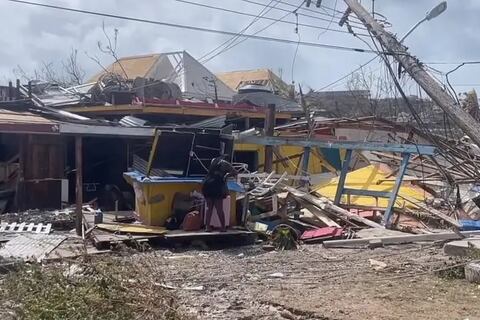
(462, 248)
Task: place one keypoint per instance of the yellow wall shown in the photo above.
(154, 200)
(371, 178)
(316, 163)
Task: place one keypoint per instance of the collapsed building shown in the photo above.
(134, 143)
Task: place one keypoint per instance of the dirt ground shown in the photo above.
(398, 282)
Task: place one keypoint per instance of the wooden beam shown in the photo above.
(269, 129)
(343, 177)
(327, 206)
(387, 217)
(339, 144)
(78, 185)
(410, 238)
(174, 110)
(451, 221)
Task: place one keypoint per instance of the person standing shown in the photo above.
(215, 189)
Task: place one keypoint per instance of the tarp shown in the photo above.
(370, 178)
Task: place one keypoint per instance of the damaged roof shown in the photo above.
(193, 78)
(263, 77)
(19, 122)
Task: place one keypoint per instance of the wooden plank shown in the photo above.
(327, 205)
(169, 109)
(263, 216)
(48, 228)
(21, 227)
(317, 213)
(433, 211)
(78, 185)
(11, 227)
(39, 228)
(193, 234)
(355, 243)
(30, 227)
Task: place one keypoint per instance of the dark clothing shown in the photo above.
(214, 187)
(215, 182)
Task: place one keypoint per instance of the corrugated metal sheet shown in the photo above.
(130, 121)
(141, 165)
(216, 122)
(263, 77)
(32, 247)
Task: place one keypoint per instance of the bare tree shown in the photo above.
(72, 69)
(68, 73)
(111, 47)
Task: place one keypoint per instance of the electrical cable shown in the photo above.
(296, 49)
(226, 43)
(423, 128)
(230, 43)
(453, 62)
(348, 74)
(330, 23)
(194, 28)
(263, 17)
(453, 70)
(301, 14)
(324, 8)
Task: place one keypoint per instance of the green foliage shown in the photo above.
(96, 290)
(283, 238)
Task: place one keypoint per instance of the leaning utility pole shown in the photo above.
(413, 66)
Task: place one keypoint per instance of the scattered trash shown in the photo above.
(276, 275)
(377, 265)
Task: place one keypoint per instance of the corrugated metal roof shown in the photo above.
(130, 121)
(216, 122)
(264, 77)
(31, 247)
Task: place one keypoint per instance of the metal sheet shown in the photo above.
(31, 247)
(336, 144)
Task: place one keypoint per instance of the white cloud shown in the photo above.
(30, 35)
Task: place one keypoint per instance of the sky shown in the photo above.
(31, 36)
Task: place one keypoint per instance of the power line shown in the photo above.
(301, 14)
(228, 43)
(201, 29)
(329, 24)
(348, 74)
(259, 31)
(323, 7)
(453, 62)
(263, 17)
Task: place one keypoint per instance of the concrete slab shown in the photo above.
(462, 248)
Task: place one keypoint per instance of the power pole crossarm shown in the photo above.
(461, 118)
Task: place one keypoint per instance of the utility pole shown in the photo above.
(414, 68)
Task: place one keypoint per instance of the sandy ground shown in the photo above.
(316, 283)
